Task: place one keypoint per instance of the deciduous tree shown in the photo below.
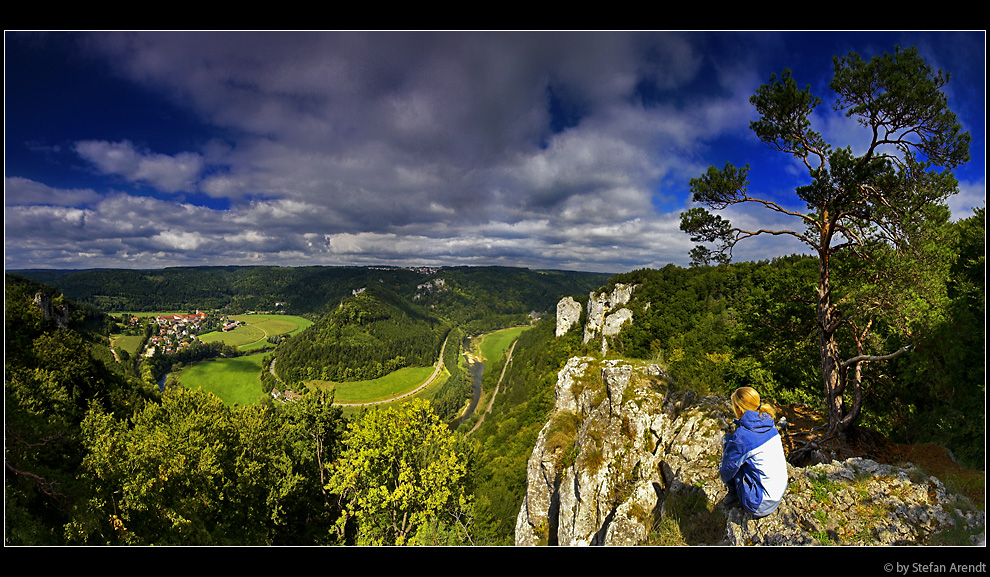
(188, 471)
(312, 429)
(401, 470)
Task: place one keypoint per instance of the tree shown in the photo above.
(401, 471)
(312, 429)
(875, 220)
(188, 471)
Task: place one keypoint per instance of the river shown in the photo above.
(477, 370)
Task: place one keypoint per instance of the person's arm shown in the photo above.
(732, 455)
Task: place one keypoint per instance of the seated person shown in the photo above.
(753, 464)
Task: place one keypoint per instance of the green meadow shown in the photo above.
(236, 380)
(493, 345)
(129, 343)
(254, 330)
(391, 385)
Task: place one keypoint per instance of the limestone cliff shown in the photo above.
(625, 452)
(607, 313)
(52, 311)
(568, 315)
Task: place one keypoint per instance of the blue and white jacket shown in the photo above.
(753, 463)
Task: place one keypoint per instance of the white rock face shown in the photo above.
(568, 315)
(599, 307)
(625, 435)
(614, 322)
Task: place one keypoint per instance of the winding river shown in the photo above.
(477, 370)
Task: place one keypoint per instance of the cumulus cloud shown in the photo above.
(177, 173)
(22, 191)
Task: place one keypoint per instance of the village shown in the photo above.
(178, 331)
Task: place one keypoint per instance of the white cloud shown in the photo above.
(179, 240)
(971, 195)
(177, 173)
(21, 191)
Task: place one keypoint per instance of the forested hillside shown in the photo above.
(370, 321)
(717, 328)
(720, 327)
(470, 293)
(52, 379)
(367, 336)
(98, 455)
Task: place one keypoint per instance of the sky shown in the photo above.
(546, 150)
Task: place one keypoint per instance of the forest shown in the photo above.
(368, 336)
(469, 293)
(98, 455)
(80, 421)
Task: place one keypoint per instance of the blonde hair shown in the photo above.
(747, 399)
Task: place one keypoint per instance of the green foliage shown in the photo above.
(905, 93)
(941, 395)
(78, 426)
(718, 328)
(401, 471)
(95, 456)
(312, 429)
(483, 299)
(448, 401)
(193, 471)
(170, 478)
(368, 336)
(753, 324)
(876, 221)
(51, 378)
(497, 475)
(471, 294)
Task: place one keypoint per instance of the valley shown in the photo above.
(244, 434)
(375, 346)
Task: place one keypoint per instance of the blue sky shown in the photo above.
(567, 150)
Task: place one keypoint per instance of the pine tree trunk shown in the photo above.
(827, 324)
(832, 380)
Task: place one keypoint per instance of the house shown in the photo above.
(286, 396)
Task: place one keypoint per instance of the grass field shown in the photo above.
(129, 343)
(493, 345)
(235, 380)
(391, 385)
(255, 330)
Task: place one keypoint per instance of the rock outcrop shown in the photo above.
(606, 313)
(625, 452)
(51, 311)
(568, 315)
